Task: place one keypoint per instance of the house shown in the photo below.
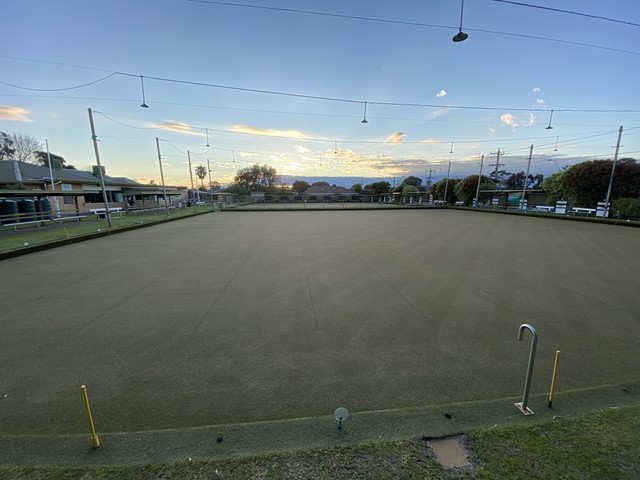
(325, 193)
(76, 192)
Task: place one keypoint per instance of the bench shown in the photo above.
(438, 202)
(459, 204)
(582, 211)
(101, 212)
(77, 218)
(544, 208)
(30, 222)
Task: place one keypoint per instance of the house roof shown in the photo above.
(320, 190)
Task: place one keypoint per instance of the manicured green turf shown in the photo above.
(56, 232)
(597, 446)
(246, 317)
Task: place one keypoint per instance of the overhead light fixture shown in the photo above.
(144, 103)
(549, 127)
(364, 119)
(460, 36)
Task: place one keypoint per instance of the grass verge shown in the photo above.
(593, 446)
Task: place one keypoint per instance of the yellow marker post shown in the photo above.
(95, 441)
(553, 379)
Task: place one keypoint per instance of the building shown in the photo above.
(76, 192)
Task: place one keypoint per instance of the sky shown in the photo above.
(286, 85)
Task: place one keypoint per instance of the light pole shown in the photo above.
(164, 190)
(446, 185)
(613, 169)
(479, 180)
(104, 190)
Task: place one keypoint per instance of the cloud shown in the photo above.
(492, 130)
(431, 140)
(14, 114)
(440, 112)
(247, 155)
(301, 149)
(395, 137)
(540, 102)
(441, 93)
(508, 119)
(536, 90)
(178, 127)
(513, 121)
(267, 132)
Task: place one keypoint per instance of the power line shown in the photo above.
(402, 22)
(332, 99)
(598, 17)
(59, 89)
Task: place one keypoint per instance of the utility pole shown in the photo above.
(479, 179)
(430, 171)
(526, 177)
(164, 190)
(613, 169)
(209, 171)
(95, 147)
(497, 164)
(53, 185)
(446, 185)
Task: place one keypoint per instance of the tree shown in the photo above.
(300, 186)
(465, 190)
(627, 207)
(410, 191)
(439, 188)
(357, 188)
(320, 184)
(257, 178)
(26, 147)
(378, 188)
(201, 173)
(57, 161)
(7, 151)
(555, 187)
(411, 180)
(516, 181)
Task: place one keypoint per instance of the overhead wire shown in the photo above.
(551, 9)
(403, 22)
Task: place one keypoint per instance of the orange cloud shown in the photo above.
(267, 132)
(396, 137)
(14, 114)
(178, 127)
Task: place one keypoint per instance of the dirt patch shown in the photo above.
(450, 452)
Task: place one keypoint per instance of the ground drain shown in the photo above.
(450, 452)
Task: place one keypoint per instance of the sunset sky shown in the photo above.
(286, 85)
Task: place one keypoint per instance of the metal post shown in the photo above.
(95, 441)
(553, 379)
(479, 179)
(613, 169)
(190, 172)
(526, 177)
(446, 185)
(95, 147)
(522, 406)
(53, 185)
(164, 190)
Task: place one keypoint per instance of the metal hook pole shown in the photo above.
(532, 355)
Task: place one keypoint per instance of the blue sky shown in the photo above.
(62, 44)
